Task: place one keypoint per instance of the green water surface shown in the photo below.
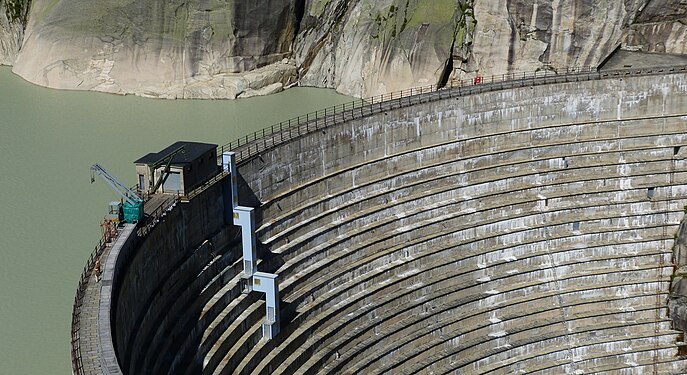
(49, 211)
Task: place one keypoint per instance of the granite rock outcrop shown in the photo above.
(366, 47)
(228, 49)
(173, 49)
(13, 15)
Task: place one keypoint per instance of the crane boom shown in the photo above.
(127, 194)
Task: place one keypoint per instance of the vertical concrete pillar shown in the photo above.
(244, 218)
(251, 279)
(267, 283)
(229, 186)
(229, 166)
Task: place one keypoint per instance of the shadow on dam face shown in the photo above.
(524, 229)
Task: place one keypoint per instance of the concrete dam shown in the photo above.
(524, 226)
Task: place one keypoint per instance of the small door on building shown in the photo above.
(172, 183)
(141, 182)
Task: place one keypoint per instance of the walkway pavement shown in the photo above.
(88, 332)
(89, 339)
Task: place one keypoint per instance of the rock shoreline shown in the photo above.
(232, 49)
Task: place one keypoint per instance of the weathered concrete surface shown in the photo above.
(89, 340)
(543, 202)
(508, 109)
(161, 287)
(519, 229)
(678, 291)
(122, 247)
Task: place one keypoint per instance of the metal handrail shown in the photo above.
(397, 95)
(252, 145)
(155, 216)
(77, 361)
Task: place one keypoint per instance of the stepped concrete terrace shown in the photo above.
(520, 228)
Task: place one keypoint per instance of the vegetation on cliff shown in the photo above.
(16, 10)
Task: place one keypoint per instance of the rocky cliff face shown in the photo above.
(371, 47)
(525, 35)
(13, 15)
(227, 48)
(176, 48)
(659, 27)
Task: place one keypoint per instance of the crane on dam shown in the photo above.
(131, 206)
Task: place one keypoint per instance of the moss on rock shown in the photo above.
(16, 10)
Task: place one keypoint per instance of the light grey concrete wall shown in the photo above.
(613, 135)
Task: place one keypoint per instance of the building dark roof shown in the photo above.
(192, 150)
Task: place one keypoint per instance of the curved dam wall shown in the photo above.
(162, 276)
(522, 230)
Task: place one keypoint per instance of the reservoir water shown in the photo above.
(50, 213)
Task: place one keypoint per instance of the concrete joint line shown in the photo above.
(561, 307)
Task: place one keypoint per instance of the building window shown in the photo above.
(172, 183)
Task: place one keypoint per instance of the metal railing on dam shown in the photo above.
(252, 145)
(110, 235)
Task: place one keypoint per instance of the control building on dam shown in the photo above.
(525, 226)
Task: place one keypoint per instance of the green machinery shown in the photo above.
(132, 204)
